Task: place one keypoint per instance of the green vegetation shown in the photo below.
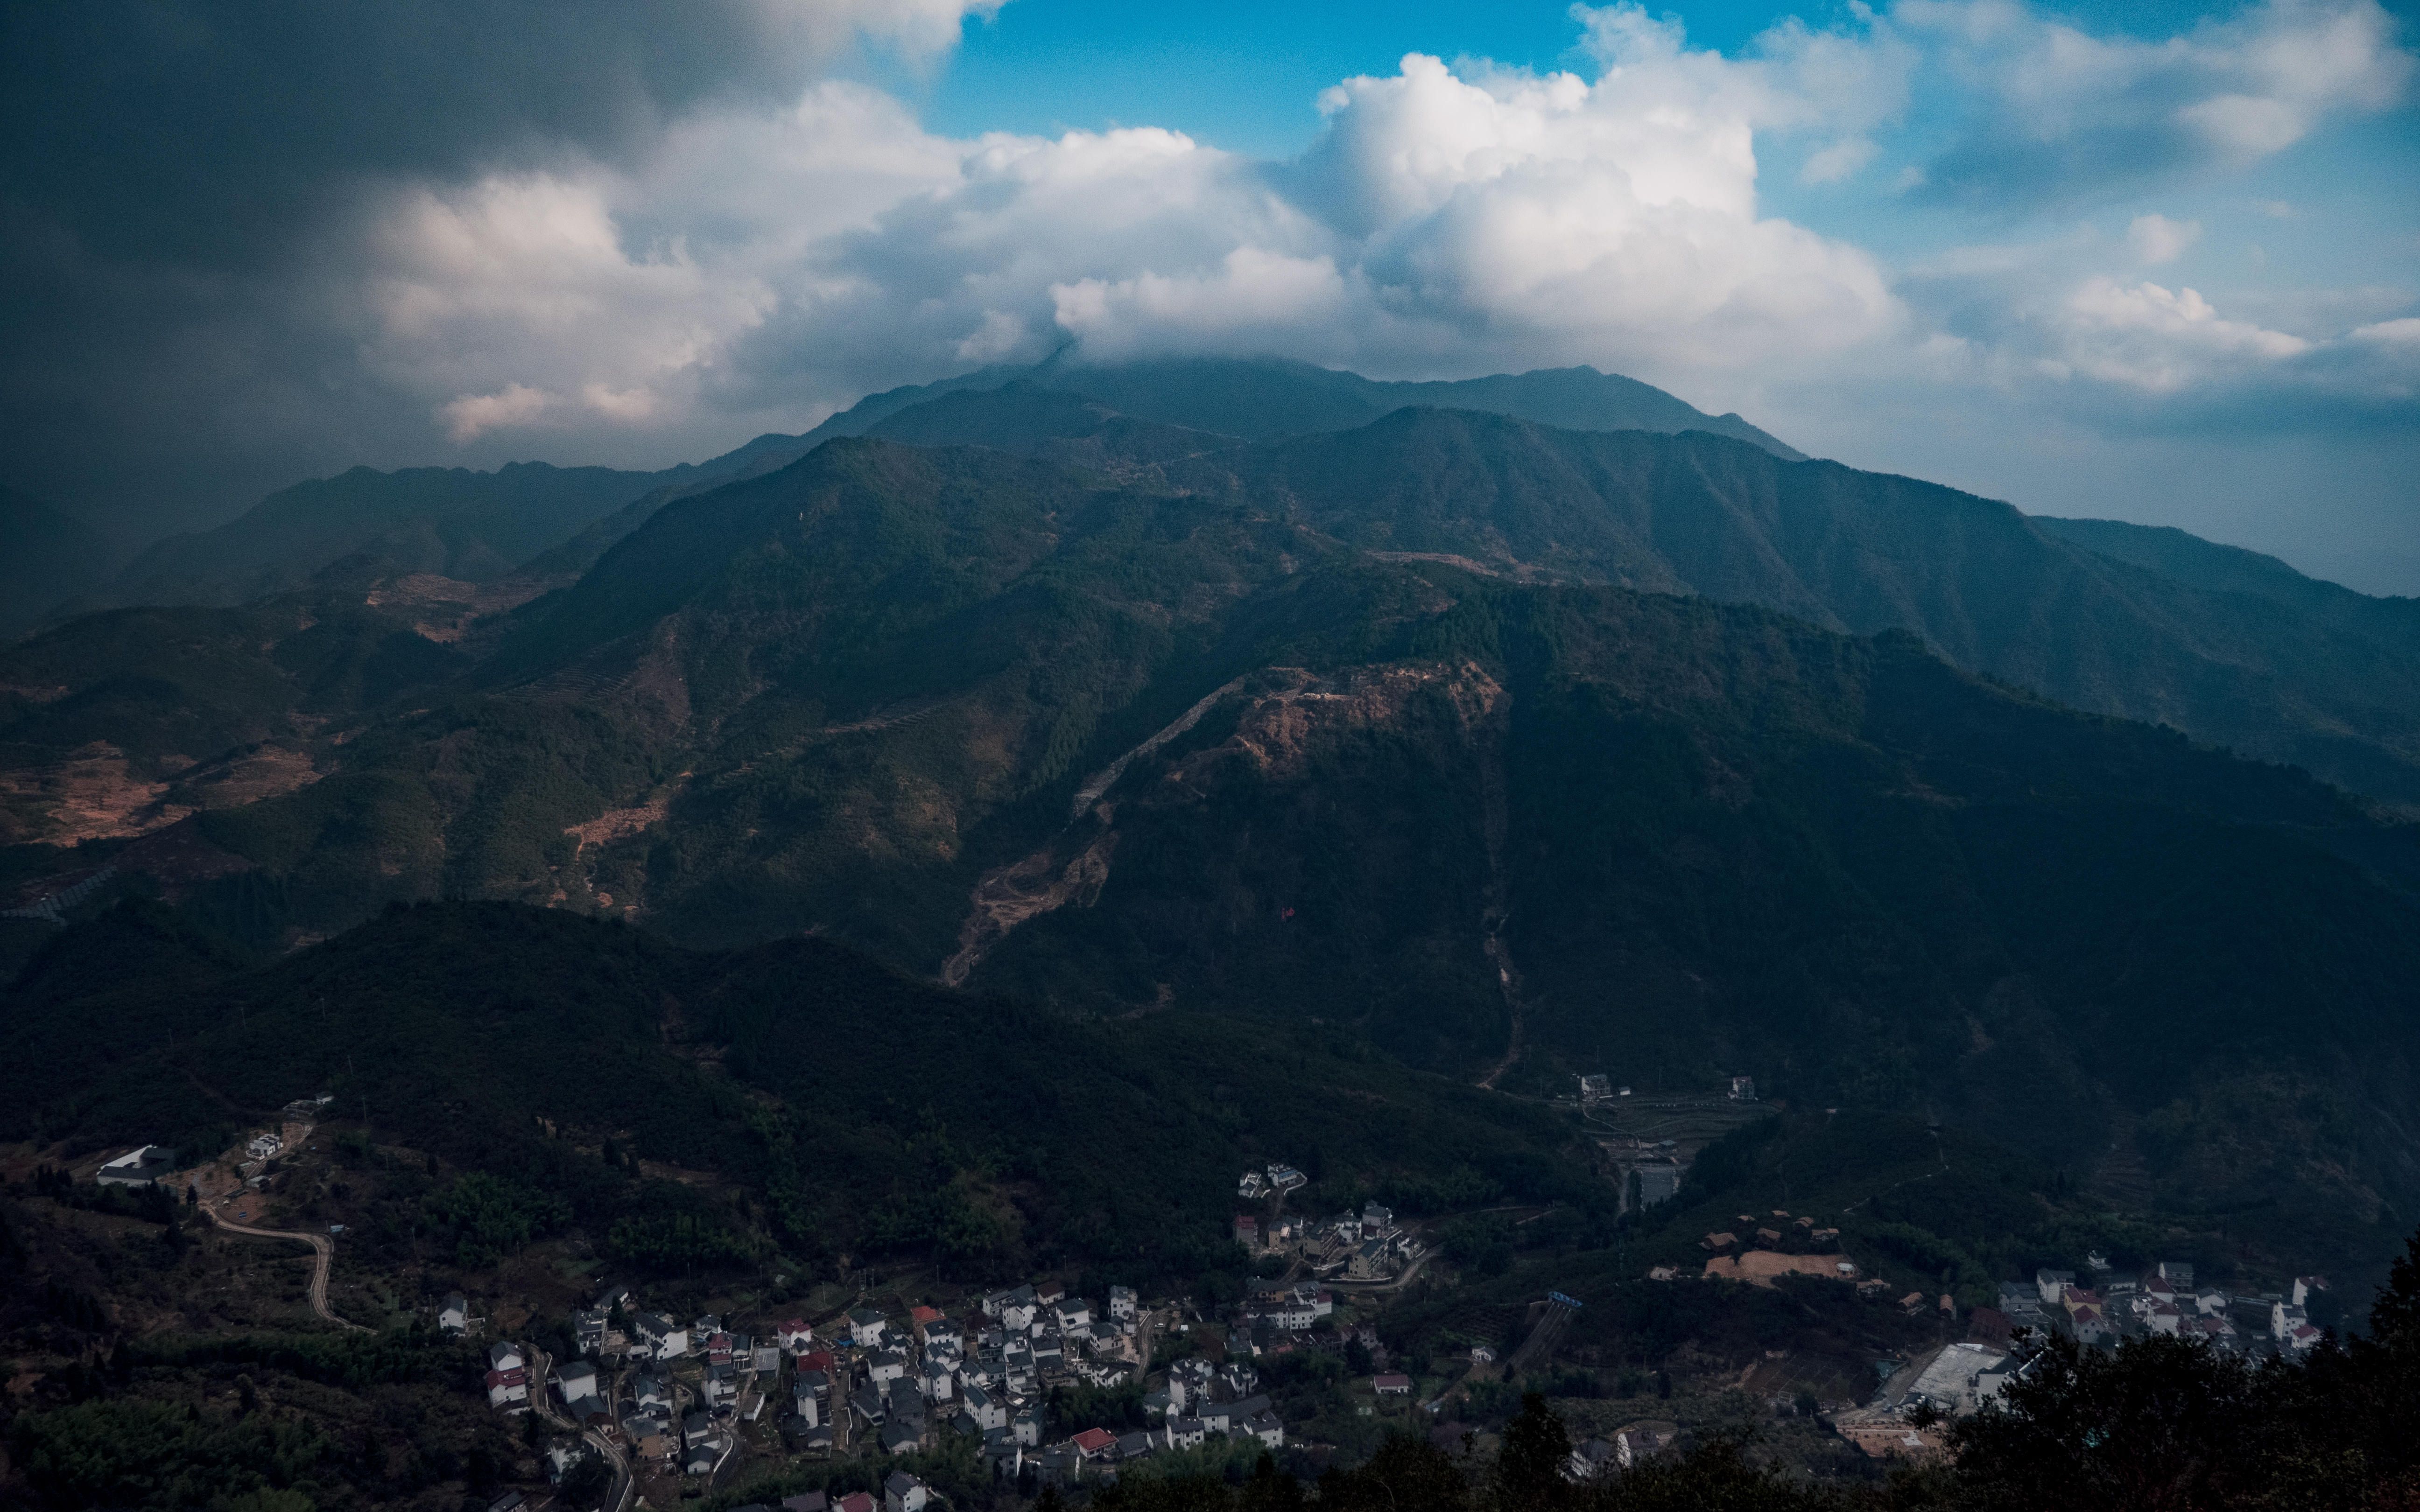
(514, 1044)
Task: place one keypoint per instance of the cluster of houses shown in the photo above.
(1278, 1179)
(679, 1392)
(1778, 1232)
(1365, 1246)
(2164, 1300)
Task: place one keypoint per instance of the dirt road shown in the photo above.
(324, 1254)
(624, 1484)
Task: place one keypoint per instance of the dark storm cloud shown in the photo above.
(204, 134)
(172, 177)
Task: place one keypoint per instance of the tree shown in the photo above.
(1529, 1468)
(586, 1484)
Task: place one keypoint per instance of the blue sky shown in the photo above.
(2334, 217)
(2158, 262)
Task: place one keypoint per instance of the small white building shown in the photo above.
(1122, 1303)
(987, 1410)
(454, 1317)
(903, 1492)
(664, 1339)
(865, 1328)
(263, 1146)
(576, 1381)
(937, 1382)
(509, 1389)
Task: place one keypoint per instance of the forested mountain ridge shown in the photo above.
(1338, 728)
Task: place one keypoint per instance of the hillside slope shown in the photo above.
(450, 522)
(2318, 685)
(521, 1042)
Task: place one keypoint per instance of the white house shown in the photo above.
(1266, 1428)
(1122, 1303)
(505, 1356)
(262, 1146)
(795, 1336)
(454, 1317)
(935, 1384)
(865, 1328)
(903, 1493)
(576, 1381)
(664, 1339)
(987, 1410)
(508, 1388)
(2053, 1285)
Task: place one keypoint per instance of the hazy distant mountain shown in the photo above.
(555, 522)
(51, 557)
(1243, 398)
(2394, 622)
(1266, 399)
(452, 521)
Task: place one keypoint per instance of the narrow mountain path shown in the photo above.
(624, 1484)
(1107, 775)
(324, 1254)
(1007, 896)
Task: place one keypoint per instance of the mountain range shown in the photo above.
(1507, 748)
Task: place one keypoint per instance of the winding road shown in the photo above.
(324, 1254)
(624, 1484)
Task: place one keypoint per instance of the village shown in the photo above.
(676, 1400)
(669, 1405)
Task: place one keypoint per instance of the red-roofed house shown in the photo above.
(858, 1502)
(1392, 1385)
(507, 1386)
(1093, 1443)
